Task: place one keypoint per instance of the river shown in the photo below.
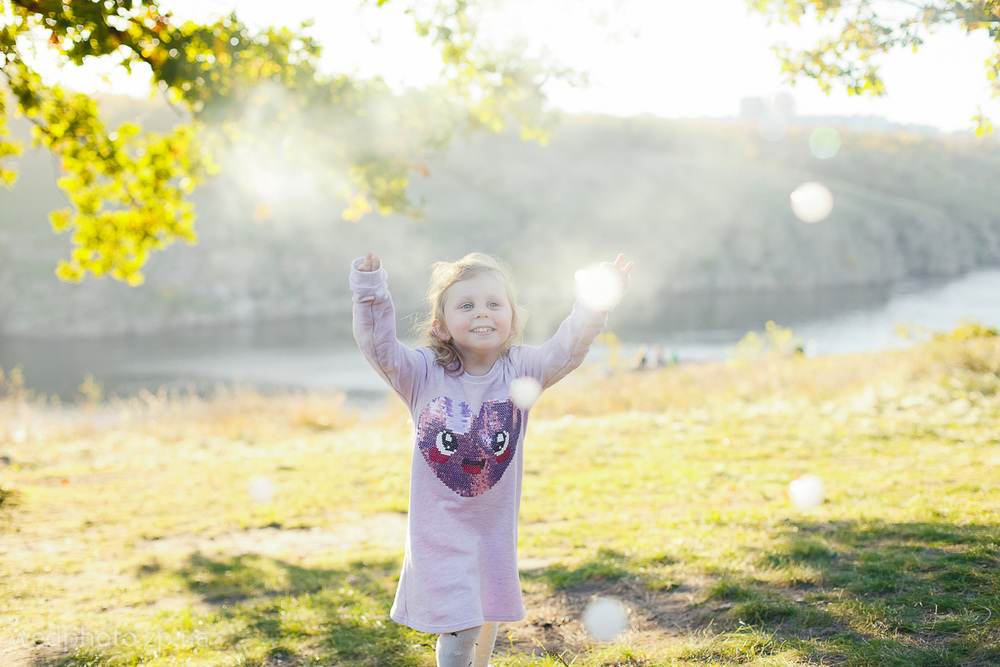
(319, 353)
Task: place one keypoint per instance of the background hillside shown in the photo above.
(702, 206)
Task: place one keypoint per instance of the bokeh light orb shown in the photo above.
(524, 391)
(806, 492)
(604, 619)
(772, 126)
(260, 489)
(824, 142)
(599, 287)
(812, 202)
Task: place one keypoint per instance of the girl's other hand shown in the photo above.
(370, 263)
(599, 287)
(623, 267)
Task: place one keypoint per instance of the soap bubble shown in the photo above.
(772, 126)
(806, 492)
(524, 391)
(260, 489)
(812, 202)
(599, 287)
(604, 619)
(783, 103)
(824, 142)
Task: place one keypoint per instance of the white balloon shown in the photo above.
(524, 391)
(260, 489)
(812, 202)
(604, 619)
(806, 492)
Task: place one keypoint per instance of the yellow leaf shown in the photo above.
(69, 273)
(357, 207)
(59, 220)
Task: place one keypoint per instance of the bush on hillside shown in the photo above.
(967, 331)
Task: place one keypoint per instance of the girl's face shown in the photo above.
(477, 316)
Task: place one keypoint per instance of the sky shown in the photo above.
(669, 58)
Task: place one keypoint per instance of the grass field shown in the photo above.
(251, 531)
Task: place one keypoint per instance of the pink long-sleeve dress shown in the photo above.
(460, 564)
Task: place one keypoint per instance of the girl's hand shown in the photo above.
(370, 263)
(621, 266)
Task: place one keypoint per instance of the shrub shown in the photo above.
(967, 331)
(776, 342)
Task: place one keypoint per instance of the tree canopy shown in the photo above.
(128, 187)
(860, 31)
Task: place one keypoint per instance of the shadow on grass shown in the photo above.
(906, 594)
(604, 565)
(258, 611)
(850, 593)
(327, 614)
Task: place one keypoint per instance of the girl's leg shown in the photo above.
(455, 649)
(467, 648)
(484, 644)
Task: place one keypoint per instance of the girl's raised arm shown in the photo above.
(375, 329)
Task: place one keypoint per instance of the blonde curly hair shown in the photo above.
(446, 274)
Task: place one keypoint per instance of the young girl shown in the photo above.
(459, 576)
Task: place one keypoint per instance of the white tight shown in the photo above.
(467, 648)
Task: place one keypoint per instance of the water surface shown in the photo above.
(320, 354)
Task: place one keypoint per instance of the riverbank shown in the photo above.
(268, 531)
(319, 354)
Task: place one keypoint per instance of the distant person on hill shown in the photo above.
(464, 387)
(648, 357)
(639, 359)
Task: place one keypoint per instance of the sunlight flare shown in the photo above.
(599, 287)
(824, 142)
